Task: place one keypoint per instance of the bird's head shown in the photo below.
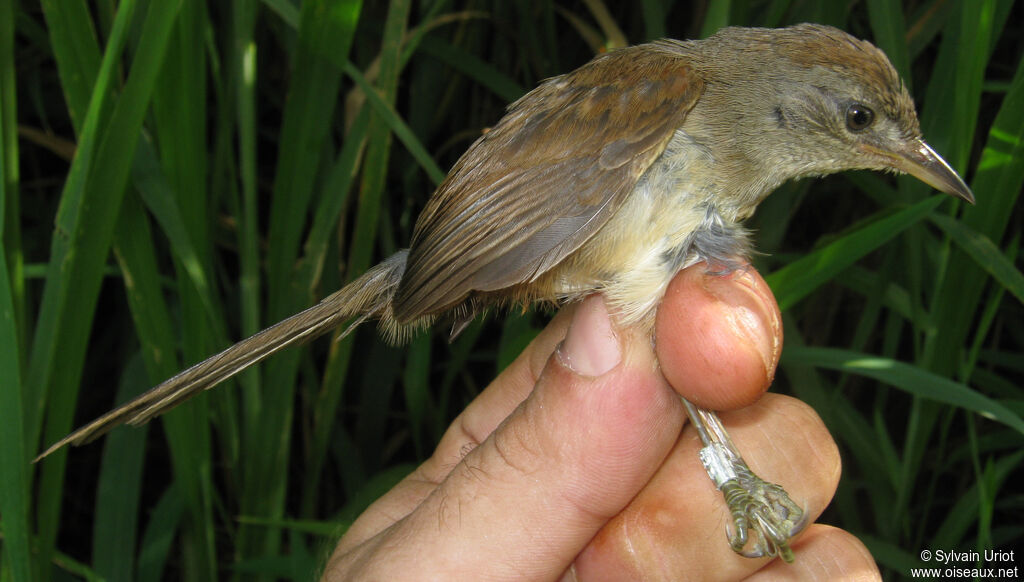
(817, 101)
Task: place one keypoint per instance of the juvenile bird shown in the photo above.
(611, 179)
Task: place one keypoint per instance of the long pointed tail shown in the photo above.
(367, 297)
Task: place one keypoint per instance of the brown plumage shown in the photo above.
(571, 152)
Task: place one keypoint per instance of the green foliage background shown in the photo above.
(177, 175)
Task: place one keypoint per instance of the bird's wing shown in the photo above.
(541, 182)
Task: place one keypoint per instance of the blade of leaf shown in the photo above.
(388, 114)
(14, 477)
(909, 378)
(15, 498)
(984, 252)
(81, 244)
(799, 278)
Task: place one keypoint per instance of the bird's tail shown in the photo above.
(367, 297)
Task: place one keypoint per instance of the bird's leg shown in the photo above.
(753, 503)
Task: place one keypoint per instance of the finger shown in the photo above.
(824, 553)
(466, 432)
(719, 337)
(675, 528)
(542, 484)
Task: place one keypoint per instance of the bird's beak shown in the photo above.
(919, 160)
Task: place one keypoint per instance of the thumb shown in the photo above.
(531, 496)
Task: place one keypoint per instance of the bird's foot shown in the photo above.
(755, 505)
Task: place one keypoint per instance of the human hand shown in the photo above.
(571, 463)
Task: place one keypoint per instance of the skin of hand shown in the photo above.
(575, 464)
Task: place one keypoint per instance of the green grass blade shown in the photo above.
(325, 529)
(888, 26)
(68, 218)
(10, 175)
(324, 38)
(286, 10)
(892, 556)
(516, 333)
(117, 495)
(335, 194)
(15, 497)
(654, 19)
(179, 180)
(985, 253)
(962, 517)
(925, 23)
(997, 184)
(387, 113)
(159, 197)
(242, 60)
(908, 378)
(976, 24)
(81, 244)
(379, 145)
(336, 191)
(76, 49)
(136, 256)
(716, 17)
(799, 278)
(158, 537)
(14, 456)
(66, 563)
(475, 68)
(893, 297)
(416, 385)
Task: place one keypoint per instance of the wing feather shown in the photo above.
(542, 181)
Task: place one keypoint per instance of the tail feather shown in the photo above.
(366, 297)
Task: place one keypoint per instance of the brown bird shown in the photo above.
(611, 179)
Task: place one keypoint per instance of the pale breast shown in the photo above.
(668, 223)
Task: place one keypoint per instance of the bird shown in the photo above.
(611, 179)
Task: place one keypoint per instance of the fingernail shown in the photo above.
(751, 316)
(590, 347)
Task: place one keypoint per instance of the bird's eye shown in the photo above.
(859, 117)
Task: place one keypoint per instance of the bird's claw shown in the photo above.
(755, 505)
(767, 510)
